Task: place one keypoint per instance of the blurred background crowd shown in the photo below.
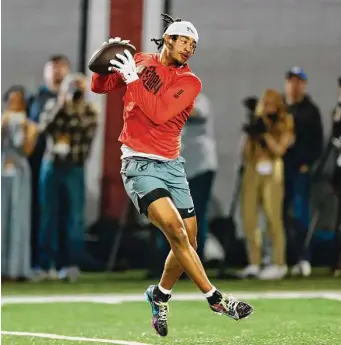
(262, 149)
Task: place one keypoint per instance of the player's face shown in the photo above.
(183, 49)
(269, 105)
(295, 87)
(55, 72)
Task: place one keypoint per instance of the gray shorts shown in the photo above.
(147, 180)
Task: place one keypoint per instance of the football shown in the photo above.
(100, 60)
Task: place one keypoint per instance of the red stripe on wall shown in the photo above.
(125, 21)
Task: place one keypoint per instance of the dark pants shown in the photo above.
(61, 187)
(336, 264)
(297, 203)
(201, 188)
(35, 214)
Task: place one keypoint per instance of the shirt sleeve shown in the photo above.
(161, 108)
(104, 83)
(56, 121)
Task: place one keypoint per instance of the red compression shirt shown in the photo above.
(156, 106)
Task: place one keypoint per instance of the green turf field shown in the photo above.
(302, 321)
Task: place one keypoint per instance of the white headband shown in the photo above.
(183, 29)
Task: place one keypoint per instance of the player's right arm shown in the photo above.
(103, 83)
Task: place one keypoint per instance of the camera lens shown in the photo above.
(77, 95)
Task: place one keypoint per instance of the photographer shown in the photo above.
(269, 134)
(69, 128)
(18, 138)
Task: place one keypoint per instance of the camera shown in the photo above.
(336, 118)
(257, 124)
(72, 87)
(75, 92)
(250, 104)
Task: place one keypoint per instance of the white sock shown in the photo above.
(164, 291)
(210, 293)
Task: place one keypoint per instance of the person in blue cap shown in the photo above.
(300, 158)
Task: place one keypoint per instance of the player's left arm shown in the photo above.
(173, 101)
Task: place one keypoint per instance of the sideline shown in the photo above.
(63, 337)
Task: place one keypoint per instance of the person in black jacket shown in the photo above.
(299, 160)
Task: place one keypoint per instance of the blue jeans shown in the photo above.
(297, 199)
(61, 186)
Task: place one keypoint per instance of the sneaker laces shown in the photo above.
(163, 310)
(230, 305)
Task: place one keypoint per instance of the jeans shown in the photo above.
(61, 187)
(297, 199)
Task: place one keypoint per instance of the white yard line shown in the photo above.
(63, 337)
(117, 298)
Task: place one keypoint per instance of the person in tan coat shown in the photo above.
(269, 134)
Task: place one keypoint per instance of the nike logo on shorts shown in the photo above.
(190, 210)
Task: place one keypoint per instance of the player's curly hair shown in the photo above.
(168, 20)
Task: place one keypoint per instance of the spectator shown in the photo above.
(69, 129)
(18, 137)
(336, 141)
(269, 134)
(199, 150)
(55, 70)
(300, 159)
(198, 147)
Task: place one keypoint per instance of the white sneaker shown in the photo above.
(250, 271)
(302, 268)
(273, 272)
(62, 274)
(73, 273)
(38, 275)
(52, 274)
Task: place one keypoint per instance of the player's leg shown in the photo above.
(158, 295)
(146, 186)
(166, 217)
(163, 212)
(145, 181)
(172, 271)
